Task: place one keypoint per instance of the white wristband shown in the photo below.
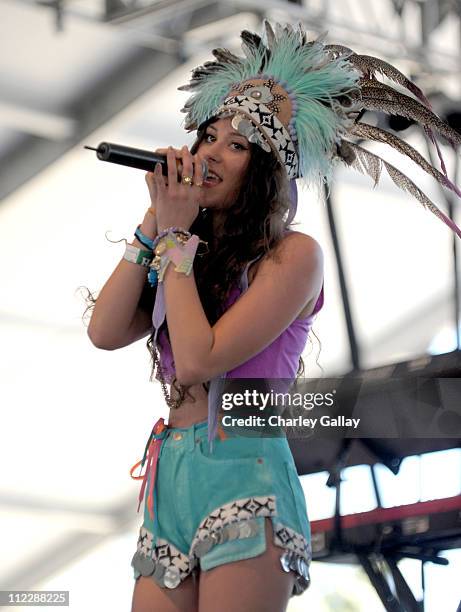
(138, 256)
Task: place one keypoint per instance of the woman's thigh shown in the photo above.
(149, 597)
(251, 585)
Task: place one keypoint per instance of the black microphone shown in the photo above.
(136, 158)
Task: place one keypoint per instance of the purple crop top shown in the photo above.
(278, 360)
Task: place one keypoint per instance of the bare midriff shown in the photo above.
(189, 412)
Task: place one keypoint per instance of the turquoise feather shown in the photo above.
(332, 87)
(306, 71)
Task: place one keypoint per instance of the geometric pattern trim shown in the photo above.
(291, 540)
(238, 510)
(168, 566)
(273, 129)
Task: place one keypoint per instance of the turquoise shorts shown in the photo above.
(210, 507)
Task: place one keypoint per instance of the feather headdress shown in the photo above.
(304, 100)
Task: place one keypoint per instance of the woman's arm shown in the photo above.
(278, 293)
(281, 288)
(118, 318)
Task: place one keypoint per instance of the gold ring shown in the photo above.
(187, 180)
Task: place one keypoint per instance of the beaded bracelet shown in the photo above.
(175, 248)
(174, 230)
(152, 277)
(182, 235)
(172, 244)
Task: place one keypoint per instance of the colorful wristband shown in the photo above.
(143, 239)
(138, 256)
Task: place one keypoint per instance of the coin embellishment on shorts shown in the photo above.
(224, 535)
(159, 572)
(203, 547)
(245, 530)
(304, 569)
(285, 561)
(299, 565)
(145, 565)
(233, 531)
(248, 528)
(171, 579)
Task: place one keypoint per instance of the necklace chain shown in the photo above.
(171, 403)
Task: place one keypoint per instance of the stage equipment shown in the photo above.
(378, 539)
(363, 392)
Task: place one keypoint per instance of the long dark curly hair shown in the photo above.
(254, 226)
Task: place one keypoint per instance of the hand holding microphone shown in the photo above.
(175, 197)
(137, 158)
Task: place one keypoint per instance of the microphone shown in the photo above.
(136, 158)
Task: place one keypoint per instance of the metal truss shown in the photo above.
(162, 23)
